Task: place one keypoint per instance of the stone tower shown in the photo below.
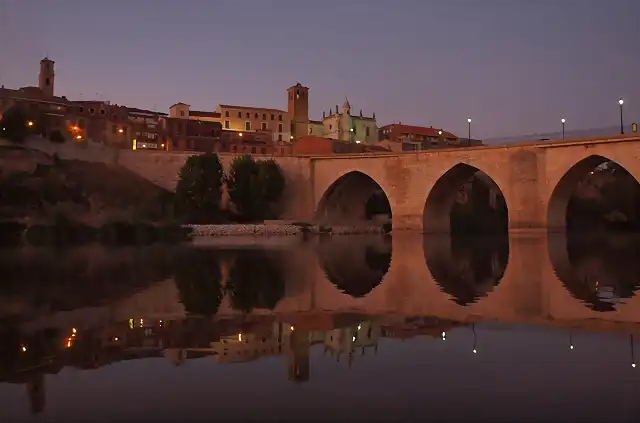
(47, 77)
(298, 110)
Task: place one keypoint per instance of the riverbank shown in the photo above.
(284, 229)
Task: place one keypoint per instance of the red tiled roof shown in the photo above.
(178, 104)
(199, 113)
(264, 109)
(418, 130)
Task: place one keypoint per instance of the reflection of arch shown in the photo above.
(443, 195)
(599, 270)
(467, 268)
(355, 266)
(566, 187)
(346, 199)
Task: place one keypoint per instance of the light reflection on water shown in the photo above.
(347, 328)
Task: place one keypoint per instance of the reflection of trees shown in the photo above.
(601, 271)
(467, 268)
(198, 279)
(355, 268)
(256, 280)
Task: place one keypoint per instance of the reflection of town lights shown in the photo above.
(358, 142)
(121, 130)
(68, 343)
(24, 348)
(115, 338)
(141, 322)
(291, 328)
(570, 347)
(30, 123)
(78, 137)
(75, 128)
(353, 339)
(444, 334)
(475, 351)
(359, 327)
(239, 337)
(130, 323)
(633, 365)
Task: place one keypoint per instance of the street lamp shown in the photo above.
(440, 132)
(469, 122)
(621, 102)
(563, 120)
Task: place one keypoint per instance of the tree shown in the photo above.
(14, 125)
(199, 188)
(254, 186)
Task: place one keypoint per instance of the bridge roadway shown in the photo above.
(536, 180)
(533, 289)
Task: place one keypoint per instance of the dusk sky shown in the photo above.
(513, 66)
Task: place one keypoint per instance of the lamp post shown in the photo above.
(469, 122)
(621, 102)
(563, 120)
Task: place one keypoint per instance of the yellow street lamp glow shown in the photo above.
(240, 134)
(121, 130)
(291, 137)
(30, 123)
(440, 132)
(469, 120)
(563, 120)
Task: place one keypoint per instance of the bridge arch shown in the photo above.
(353, 197)
(451, 188)
(588, 172)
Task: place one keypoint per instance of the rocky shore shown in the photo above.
(280, 230)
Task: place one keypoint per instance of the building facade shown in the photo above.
(399, 137)
(275, 122)
(347, 127)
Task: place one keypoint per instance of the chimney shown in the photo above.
(360, 112)
(323, 115)
(336, 109)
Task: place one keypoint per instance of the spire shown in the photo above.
(374, 115)
(323, 115)
(346, 107)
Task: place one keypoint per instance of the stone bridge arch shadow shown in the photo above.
(354, 197)
(465, 200)
(601, 270)
(355, 265)
(595, 193)
(467, 268)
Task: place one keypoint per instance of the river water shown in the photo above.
(513, 329)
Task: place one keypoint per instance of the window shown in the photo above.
(92, 110)
(226, 124)
(47, 81)
(279, 127)
(248, 115)
(102, 112)
(234, 148)
(366, 130)
(81, 109)
(264, 116)
(280, 118)
(226, 114)
(247, 126)
(181, 112)
(239, 115)
(273, 116)
(279, 137)
(255, 116)
(330, 127)
(253, 150)
(264, 126)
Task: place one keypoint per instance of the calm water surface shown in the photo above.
(519, 329)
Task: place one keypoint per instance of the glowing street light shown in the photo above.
(621, 102)
(357, 141)
(563, 120)
(239, 134)
(469, 122)
(30, 123)
(121, 130)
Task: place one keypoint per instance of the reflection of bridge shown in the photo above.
(536, 180)
(530, 291)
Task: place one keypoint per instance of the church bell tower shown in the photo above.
(298, 109)
(47, 77)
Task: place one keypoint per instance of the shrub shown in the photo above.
(199, 189)
(11, 233)
(13, 125)
(56, 137)
(254, 186)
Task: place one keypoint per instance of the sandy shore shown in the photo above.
(271, 230)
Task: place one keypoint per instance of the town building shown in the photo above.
(347, 127)
(399, 137)
(313, 145)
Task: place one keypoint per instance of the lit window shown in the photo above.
(247, 126)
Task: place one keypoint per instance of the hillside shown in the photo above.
(38, 187)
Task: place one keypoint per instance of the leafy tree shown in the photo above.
(199, 188)
(198, 279)
(13, 125)
(254, 186)
(255, 281)
(56, 137)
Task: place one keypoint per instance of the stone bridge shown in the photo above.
(536, 180)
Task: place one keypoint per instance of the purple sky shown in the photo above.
(514, 66)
